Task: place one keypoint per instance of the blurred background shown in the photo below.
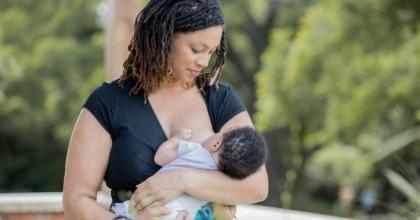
(333, 84)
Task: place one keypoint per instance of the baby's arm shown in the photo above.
(168, 150)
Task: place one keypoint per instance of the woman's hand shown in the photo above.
(158, 189)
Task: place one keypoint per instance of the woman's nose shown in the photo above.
(204, 60)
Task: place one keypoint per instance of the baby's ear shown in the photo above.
(216, 145)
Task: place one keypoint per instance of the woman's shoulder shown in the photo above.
(106, 88)
(219, 87)
(224, 86)
(219, 91)
(106, 95)
(223, 104)
(113, 89)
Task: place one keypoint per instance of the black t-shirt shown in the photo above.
(136, 132)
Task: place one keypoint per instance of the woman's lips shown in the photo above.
(194, 73)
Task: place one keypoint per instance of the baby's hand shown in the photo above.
(182, 133)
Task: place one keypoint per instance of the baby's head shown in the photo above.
(238, 153)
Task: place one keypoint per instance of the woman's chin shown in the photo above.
(189, 83)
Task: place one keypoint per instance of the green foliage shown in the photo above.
(348, 77)
(404, 186)
(271, 94)
(393, 144)
(331, 166)
(248, 26)
(51, 55)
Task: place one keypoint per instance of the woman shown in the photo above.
(163, 86)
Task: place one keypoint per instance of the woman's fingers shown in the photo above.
(155, 204)
(146, 201)
(160, 186)
(154, 212)
(157, 190)
(159, 211)
(143, 203)
(142, 198)
(141, 187)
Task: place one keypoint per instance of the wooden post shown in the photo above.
(119, 29)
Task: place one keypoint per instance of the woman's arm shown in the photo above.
(87, 158)
(208, 185)
(217, 187)
(86, 162)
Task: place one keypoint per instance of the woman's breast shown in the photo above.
(195, 119)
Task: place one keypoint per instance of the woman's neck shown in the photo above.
(175, 87)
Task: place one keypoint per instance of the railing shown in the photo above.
(48, 206)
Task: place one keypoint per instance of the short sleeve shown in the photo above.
(224, 104)
(101, 104)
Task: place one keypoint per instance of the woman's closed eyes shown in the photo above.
(197, 51)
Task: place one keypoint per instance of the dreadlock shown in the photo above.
(150, 47)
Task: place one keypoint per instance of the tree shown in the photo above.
(51, 58)
(347, 78)
(248, 25)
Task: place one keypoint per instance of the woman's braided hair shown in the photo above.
(154, 29)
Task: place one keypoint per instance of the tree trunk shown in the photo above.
(275, 167)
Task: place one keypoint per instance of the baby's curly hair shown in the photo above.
(243, 151)
(154, 29)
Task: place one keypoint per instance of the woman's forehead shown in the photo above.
(209, 37)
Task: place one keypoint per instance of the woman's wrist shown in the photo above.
(186, 180)
(193, 179)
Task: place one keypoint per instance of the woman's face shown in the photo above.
(191, 52)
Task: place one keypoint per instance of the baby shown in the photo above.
(237, 153)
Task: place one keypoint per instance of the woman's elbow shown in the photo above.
(67, 204)
(261, 193)
(261, 186)
(72, 200)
